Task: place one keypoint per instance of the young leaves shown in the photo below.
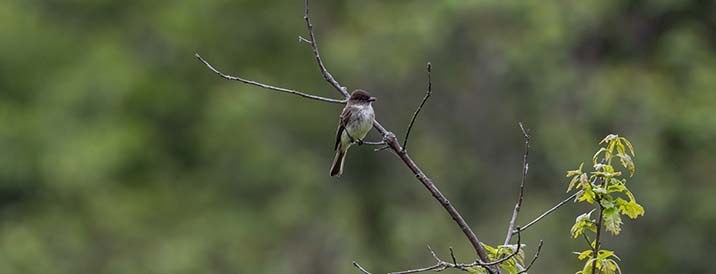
(602, 188)
(583, 222)
(502, 251)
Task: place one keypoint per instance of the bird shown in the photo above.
(354, 123)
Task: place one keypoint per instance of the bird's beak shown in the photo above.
(372, 99)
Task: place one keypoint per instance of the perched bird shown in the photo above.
(355, 122)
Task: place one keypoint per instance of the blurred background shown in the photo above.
(121, 153)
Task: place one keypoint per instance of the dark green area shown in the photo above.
(121, 153)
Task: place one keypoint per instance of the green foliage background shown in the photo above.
(120, 153)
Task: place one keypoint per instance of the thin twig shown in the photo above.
(539, 248)
(420, 107)
(550, 211)
(360, 268)
(452, 255)
(301, 39)
(517, 250)
(374, 143)
(442, 265)
(262, 85)
(525, 169)
(314, 45)
(429, 268)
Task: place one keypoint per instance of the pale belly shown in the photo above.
(359, 128)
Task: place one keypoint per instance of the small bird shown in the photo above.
(355, 122)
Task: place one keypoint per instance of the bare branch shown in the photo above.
(301, 39)
(452, 255)
(262, 85)
(377, 143)
(420, 107)
(439, 265)
(314, 45)
(392, 142)
(525, 169)
(442, 265)
(360, 268)
(388, 137)
(539, 248)
(550, 211)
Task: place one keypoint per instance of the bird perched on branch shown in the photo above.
(355, 122)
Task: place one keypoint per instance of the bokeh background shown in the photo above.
(121, 153)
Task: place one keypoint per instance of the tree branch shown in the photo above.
(392, 142)
(360, 268)
(388, 137)
(525, 169)
(442, 264)
(314, 45)
(262, 85)
(550, 211)
(539, 248)
(420, 107)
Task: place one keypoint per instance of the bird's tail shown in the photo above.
(337, 168)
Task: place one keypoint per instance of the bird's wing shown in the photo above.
(342, 122)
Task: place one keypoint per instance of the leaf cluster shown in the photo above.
(606, 188)
(513, 265)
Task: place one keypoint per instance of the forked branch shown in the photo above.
(392, 143)
(441, 264)
(525, 169)
(314, 45)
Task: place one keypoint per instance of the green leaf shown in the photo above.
(631, 148)
(607, 202)
(620, 146)
(489, 248)
(605, 254)
(609, 138)
(582, 179)
(574, 180)
(627, 162)
(584, 254)
(588, 266)
(615, 186)
(612, 220)
(607, 174)
(631, 209)
(613, 264)
(583, 222)
(588, 195)
(596, 155)
(578, 171)
(610, 150)
(476, 270)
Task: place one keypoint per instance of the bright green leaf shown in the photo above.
(476, 270)
(631, 148)
(612, 220)
(609, 138)
(631, 209)
(584, 254)
(578, 171)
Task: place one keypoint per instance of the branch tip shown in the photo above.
(360, 268)
(420, 107)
